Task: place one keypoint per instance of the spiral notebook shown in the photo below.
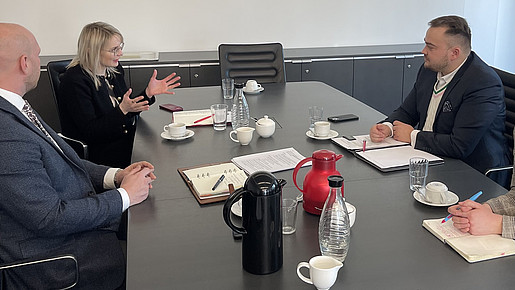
(201, 180)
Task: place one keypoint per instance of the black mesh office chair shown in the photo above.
(55, 70)
(261, 62)
(49, 284)
(508, 80)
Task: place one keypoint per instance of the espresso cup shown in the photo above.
(252, 85)
(175, 130)
(243, 135)
(436, 192)
(321, 128)
(323, 271)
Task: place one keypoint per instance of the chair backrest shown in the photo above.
(261, 62)
(55, 70)
(508, 80)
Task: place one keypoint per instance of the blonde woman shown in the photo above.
(95, 104)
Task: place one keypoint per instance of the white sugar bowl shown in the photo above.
(265, 127)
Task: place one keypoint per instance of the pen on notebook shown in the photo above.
(473, 198)
(201, 119)
(218, 182)
(364, 145)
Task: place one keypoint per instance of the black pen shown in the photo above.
(218, 182)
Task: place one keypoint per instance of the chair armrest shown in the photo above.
(28, 262)
(491, 170)
(80, 147)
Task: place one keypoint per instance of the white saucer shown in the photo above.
(188, 134)
(236, 208)
(332, 134)
(253, 92)
(452, 198)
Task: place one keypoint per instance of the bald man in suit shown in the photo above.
(52, 202)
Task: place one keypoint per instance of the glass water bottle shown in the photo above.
(240, 113)
(334, 226)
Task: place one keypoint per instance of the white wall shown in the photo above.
(168, 25)
(493, 31)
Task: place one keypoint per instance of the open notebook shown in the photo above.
(201, 180)
(472, 248)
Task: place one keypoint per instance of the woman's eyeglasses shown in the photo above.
(115, 50)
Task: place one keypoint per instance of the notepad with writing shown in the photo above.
(472, 248)
(201, 179)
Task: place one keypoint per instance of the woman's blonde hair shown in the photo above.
(92, 39)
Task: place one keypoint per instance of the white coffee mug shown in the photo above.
(323, 271)
(243, 135)
(252, 85)
(321, 128)
(175, 130)
(436, 192)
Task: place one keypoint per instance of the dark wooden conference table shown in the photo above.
(175, 243)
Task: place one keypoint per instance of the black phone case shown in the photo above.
(343, 118)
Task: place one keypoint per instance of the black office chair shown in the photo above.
(55, 70)
(32, 262)
(261, 62)
(508, 80)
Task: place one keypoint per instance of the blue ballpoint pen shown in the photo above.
(473, 198)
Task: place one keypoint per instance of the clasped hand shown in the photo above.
(475, 218)
(137, 179)
(401, 132)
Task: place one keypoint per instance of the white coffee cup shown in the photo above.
(175, 130)
(436, 192)
(252, 85)
(243, 135)
(323, 271)
(321, 128)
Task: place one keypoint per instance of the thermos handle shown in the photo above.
(299, 165)
(234, 197)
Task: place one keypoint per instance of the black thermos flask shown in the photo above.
(262, 244)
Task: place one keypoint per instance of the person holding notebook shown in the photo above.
(457, 103)
(95, 104)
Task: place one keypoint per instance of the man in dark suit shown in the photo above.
(52, 202)
(457, 102)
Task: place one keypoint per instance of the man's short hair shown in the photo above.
(457, 27)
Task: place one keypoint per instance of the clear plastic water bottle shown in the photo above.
(334, 226)
(240, 113)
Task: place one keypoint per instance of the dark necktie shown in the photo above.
(27, 109)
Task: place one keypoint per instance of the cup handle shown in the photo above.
(230, 135)
(302, 277)
(165, 128)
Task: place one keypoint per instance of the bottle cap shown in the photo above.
(335, 181)
(238, 85)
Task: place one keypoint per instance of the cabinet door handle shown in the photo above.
(307, 71)
(195, 75)
(409, 65)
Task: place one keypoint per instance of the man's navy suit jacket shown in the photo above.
(469, 121)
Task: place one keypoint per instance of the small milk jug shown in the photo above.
(315, 186)
(262, 244)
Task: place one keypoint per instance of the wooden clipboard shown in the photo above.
(188, 182)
